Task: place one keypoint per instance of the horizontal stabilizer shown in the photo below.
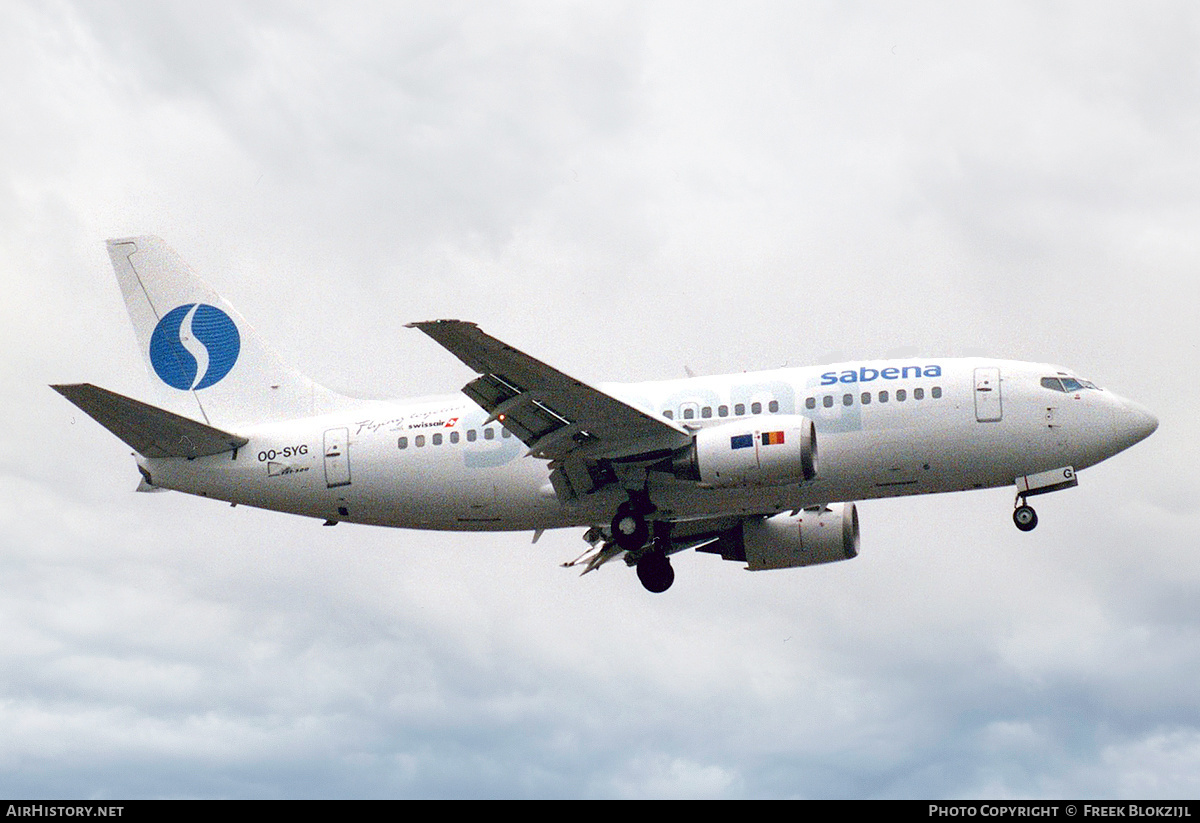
(151, 431)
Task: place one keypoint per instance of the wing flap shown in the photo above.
(149, 430)
(551, 412)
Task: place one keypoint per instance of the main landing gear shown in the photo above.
(655, 572)
(631, 532)
(650, 558)
(643, 543)
(1024, 516)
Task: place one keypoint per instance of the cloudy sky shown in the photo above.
(624, 190)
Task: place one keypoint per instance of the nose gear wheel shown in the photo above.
(1024, 516)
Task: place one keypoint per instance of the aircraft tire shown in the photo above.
(1025, 518)
(629, 528)
(655, 572)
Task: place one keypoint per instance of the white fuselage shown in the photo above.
(432, 463)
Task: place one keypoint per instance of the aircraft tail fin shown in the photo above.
(204, 358)
(149, 430)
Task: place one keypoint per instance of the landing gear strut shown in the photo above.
(1024, 516)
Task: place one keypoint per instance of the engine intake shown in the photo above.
(823, 534)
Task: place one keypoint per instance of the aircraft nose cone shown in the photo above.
(1135, 423)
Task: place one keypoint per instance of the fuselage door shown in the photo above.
(988, 404)
(337, 457)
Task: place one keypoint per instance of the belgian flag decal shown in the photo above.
(772, 438)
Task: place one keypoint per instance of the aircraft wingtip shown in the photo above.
(423, 324)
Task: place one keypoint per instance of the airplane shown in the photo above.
(759, 468)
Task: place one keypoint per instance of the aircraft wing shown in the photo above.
(558, 417)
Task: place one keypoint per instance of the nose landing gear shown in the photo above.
(1024, 516)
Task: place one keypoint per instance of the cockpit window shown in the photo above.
(1065, 383)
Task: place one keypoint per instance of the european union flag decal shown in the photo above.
(741, 441)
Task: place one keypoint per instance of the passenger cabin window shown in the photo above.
(901, 395)
(847, 400)
(670, 415)
(828, 401)
(402, 443)
(739, 409)
(883, 397)
(437, 439)
(866, 398)
(706, 412)
(810, 403)
(756, 408)
(471, 435)
(453, 437)
(918, 394)
(489, 434)
(689, 413)
(773, 406)
(505, 433)
(937, 392)
(722, 411)
(419, 440)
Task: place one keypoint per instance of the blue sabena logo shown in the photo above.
(194, 346)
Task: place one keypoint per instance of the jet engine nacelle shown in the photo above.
(822, 534)
(758, 451)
